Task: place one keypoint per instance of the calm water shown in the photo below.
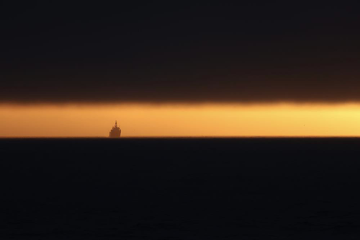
(180, 188)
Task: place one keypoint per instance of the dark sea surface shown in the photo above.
(180, 188)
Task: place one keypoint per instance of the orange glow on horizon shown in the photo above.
(180, 120)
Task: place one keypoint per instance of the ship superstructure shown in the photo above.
(115, 131)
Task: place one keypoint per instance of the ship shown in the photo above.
(115, 131)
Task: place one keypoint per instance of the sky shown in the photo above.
(169, 61)
(181, 121)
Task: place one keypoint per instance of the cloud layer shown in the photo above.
(180, 54)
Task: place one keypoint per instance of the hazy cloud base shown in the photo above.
(256, 88)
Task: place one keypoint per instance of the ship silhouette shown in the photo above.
(115, 131)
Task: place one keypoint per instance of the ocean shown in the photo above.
(180, 188)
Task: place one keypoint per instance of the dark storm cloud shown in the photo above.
(258, 52)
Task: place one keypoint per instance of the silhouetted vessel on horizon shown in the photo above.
(115, 131)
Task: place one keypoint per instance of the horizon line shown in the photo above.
(144, 137)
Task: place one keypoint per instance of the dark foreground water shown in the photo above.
(180, 189)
